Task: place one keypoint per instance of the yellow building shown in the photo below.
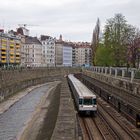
(10, 46)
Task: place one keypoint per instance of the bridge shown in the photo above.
(54, 116)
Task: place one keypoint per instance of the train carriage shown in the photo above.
(85, 100)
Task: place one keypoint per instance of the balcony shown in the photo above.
(12, 61)
(3, 52)
(12, 49)
(3, 48)
(3, 60)
(12, 45)
(11, 41)
(17, 58)
(18, 53)
(17, 61)
(3, 56)
(17, 46)
(3, 44)
(4, 40)
(12, 57)
(12, 52)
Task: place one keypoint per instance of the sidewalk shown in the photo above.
(5, 105)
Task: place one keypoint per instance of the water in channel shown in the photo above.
(13, 120)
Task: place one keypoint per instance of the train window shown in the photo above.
(80, 101)
(94, 101)
(87, 101)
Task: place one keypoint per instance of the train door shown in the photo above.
(138, 120)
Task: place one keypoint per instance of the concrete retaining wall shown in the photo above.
(131, 87)
(15, 80)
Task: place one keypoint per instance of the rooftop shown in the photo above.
(32, 40)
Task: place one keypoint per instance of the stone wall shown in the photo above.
(12, 81)
(123, 84)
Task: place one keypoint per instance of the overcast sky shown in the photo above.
(74, 19)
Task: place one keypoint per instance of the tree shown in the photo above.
(121, 45)
(95, 40)
(133, 54)
(116, 37)
(104, 56)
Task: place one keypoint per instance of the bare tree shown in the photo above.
(134, 49)
(95, 39)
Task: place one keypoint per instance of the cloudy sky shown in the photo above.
(74, 19)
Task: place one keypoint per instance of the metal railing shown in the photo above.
(123, 72)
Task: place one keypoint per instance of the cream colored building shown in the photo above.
(32, 52)
(82, 54)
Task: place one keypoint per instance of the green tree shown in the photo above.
(104, 56)
(116, 38)
(121, 44)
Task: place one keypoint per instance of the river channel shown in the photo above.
(14, 119)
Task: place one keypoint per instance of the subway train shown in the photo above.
(85, 100)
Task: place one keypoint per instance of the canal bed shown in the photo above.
(14, 119)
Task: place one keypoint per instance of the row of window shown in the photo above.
(48, 43)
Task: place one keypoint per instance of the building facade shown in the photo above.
(48, 50)
(81, 54)
(10, 49)
(32, 51)
(58, 53)
(67, 54)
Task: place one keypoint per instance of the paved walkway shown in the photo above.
(5, 105)
(65, 128)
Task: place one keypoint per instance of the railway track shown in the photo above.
(101, 128)
(115, 121)
(94, 129)
(89, 129)
(104, 128)
(107, 125)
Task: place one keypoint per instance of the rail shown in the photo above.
(116, 119)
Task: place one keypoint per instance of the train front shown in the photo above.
(87, 105)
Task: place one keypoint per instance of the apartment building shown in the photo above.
(10, 46)
(75, 55)
(32, 51)
(48, 50)
(81, 54)
(88, 56)
(58, 53)
(24, 51)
